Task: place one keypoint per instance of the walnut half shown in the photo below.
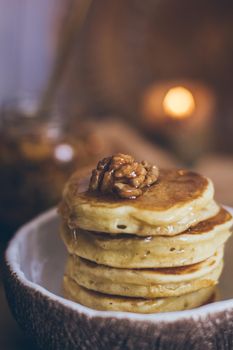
(122, 175)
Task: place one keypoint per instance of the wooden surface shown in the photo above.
(219, 169)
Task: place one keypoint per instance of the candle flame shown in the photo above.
(179, 103)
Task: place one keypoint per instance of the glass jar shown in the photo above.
(37, 155)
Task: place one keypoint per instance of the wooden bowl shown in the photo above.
(34, 265)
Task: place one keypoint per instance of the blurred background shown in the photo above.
(81, 79)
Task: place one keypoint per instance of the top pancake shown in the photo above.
(177, 196)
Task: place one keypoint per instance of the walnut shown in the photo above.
(122, 175)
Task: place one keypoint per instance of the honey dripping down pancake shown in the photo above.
(126, 251)
(142, 239)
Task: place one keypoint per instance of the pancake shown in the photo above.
(145, 283)
(142, 240)
(99, 301)
(178, 200)
(127, 251)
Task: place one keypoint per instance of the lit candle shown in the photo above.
(179, 103)
(182, 113)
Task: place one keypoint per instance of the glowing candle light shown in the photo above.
(179, 103)
(180, 113)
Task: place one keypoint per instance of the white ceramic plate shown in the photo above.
(34, 268)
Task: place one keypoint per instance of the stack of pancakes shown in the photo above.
(162, 251)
